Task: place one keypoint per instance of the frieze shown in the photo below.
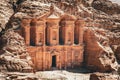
(38, 24)
(63, 49)
(40, 49)
(53, 23)
(52, 50)
(25, 24)
(55, 27)
(67, 24)
(48, 49)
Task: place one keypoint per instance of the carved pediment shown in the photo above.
(52, 51)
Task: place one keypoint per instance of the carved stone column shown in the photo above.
(79, 30)
(25, 24)
(52, 30)
(67, 25)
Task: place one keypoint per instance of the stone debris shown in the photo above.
(104, 76)
(18, 76)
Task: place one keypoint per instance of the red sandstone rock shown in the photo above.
(6, 12)
(117, 53)
(106, 6)
(98, 57)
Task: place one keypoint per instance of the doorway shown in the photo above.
(54, 61)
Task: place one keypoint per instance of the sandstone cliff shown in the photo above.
(102, 42)
(98, 54)
(6, 11)
(13, 53)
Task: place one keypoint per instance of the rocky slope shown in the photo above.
(108, 19)
(13, 53)
(106, 6)
(6, 11)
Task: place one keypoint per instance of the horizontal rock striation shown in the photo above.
(13, 53)
(6, 11)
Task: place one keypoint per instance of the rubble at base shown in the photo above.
(18, 76)
(104, 76)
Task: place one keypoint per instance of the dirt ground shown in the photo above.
(62, 75)
(71, 74)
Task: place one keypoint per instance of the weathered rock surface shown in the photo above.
(117, 53)
(6, 11)
(18, 76)
(103, 76)
(106, 6)
(13, 53)
(98, 54)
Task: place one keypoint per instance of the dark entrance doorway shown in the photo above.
(54, 61)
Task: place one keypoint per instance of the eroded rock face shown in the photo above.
(102, 76)
(106, 6)
(17, 76)
(13, 53)
(117, 53)
(6, 11)
(98, 54)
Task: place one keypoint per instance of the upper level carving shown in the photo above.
(53, 29)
